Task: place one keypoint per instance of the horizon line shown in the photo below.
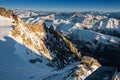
(62, 9)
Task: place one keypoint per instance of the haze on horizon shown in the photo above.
(63, 5)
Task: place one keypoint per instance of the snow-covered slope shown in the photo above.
(5, 27)
(13, 67)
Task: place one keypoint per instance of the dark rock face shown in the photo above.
(62, 50)
(110, 54)
(107, 54)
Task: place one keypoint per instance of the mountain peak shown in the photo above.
(9, 14)
(6, 13)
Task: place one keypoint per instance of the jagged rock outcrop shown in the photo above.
(63, 51)
(46, 41)
(53, 46)
(32, 36)
(88, 65)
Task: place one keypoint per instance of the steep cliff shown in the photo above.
(48, 45)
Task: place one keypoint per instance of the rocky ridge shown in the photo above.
(43, 41)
